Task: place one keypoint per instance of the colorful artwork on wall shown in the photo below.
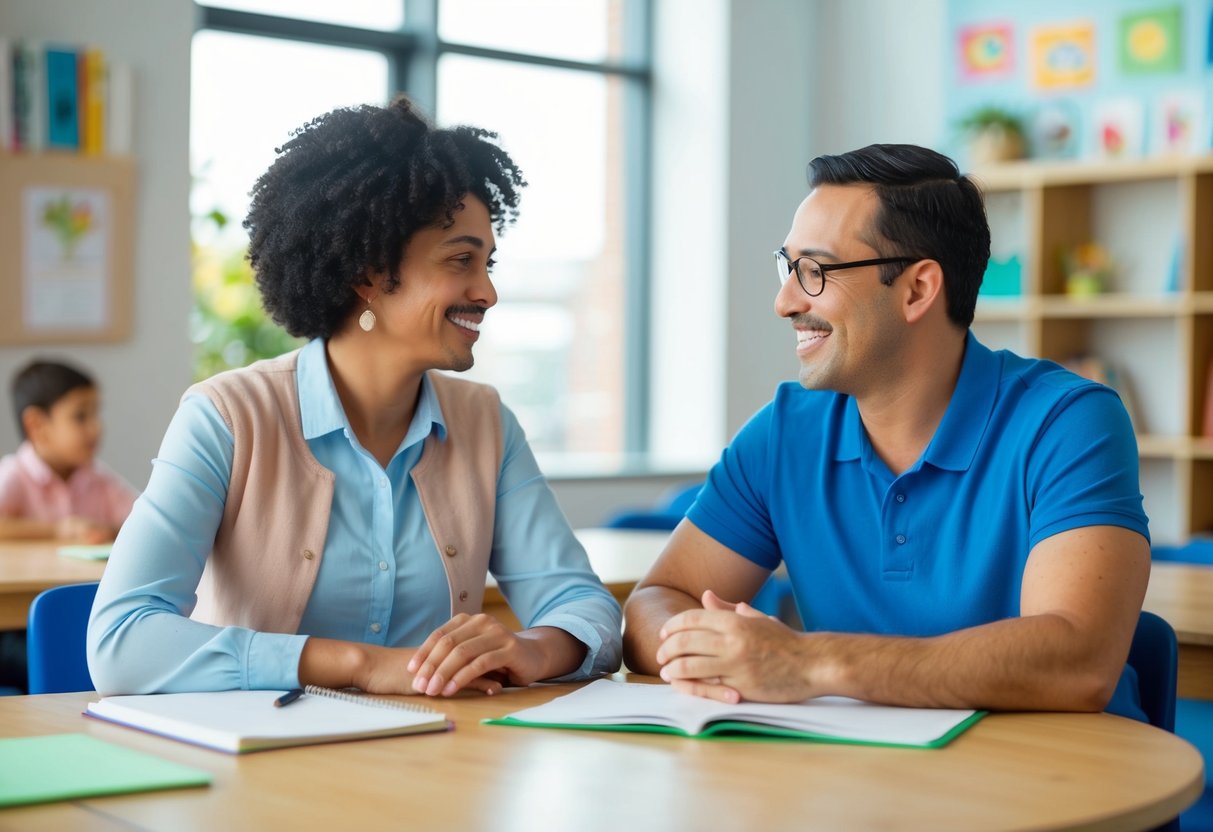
(1151, 41)
(1178, 123)
(1118, 128)
(986, 50)
(1055, 130)
(1063, 56)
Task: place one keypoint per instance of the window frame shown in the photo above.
(413, 53)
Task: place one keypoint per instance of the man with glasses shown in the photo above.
(961, 527)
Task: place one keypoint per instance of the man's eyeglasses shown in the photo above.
(812, 275)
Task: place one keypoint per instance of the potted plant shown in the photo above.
(995, 135)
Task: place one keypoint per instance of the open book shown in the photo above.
(605, 705)
(237, 721)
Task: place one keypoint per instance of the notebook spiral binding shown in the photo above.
(359, 698)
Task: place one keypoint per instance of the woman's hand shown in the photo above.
(480, 652)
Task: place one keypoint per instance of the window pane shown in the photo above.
(247, 95)
(554, 345)
(385, 15)
(579, 30)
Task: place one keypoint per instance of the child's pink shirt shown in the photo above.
(31, 490)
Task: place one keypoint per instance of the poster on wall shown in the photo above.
(985, 51)
(1178, 123)
(66, 258)
(1119, 128)
(1055, 130)
(1151, 41)
(1063, 56)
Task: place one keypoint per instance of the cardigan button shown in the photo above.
(308, 554)
(451, 551)
(463, 596)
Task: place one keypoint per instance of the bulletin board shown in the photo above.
(66, 248)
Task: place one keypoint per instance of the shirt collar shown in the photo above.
(964, 423)
(320, 409)
(36, 469)
(33, 465)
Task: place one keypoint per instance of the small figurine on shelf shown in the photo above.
(1088, 269)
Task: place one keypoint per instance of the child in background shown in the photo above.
(52, 487)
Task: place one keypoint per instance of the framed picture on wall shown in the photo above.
(1118, 128)
(66, 255)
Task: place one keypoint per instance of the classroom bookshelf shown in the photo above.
(1154, 322)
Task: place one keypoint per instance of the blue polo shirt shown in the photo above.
(1025, 450)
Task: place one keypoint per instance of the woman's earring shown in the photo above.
(367, 319)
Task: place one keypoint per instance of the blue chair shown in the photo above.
(58, 622)
(671, 507)
(1154, 656)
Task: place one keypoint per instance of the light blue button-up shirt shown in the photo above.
(381, 580)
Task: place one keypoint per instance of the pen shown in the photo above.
(288, 697)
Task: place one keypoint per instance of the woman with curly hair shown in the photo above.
(329, 517)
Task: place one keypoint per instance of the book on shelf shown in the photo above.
(71, 766)
(62, 99)
(606, 705)
(240, 721)
(6, 94)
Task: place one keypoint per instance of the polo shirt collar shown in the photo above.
(320, 409)
(964, 423)
(968, 415)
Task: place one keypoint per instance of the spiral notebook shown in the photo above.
(239, 721)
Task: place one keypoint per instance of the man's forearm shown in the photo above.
(645, 612)
(1034, 663)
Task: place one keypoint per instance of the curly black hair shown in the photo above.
(347, 193)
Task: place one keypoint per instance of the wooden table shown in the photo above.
(1010, 771)
(27, 568)
(1182, 593)
(620, 557)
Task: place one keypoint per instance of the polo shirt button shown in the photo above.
(901, 498)
(308, 554)
(383, 483)
(901, 538)
(450, 550)
(463, 596)
(383, 566)
(376, 627)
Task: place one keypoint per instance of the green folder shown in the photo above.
(98, 551)
(69, 766)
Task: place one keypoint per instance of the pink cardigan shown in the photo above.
(270, 541)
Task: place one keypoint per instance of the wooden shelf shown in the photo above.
(1159, 345)
(1111, 306)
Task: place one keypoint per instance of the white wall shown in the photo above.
(141, 379)
(879, 70)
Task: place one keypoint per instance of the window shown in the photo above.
(565, 84)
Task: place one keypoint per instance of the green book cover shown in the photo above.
(69, 766)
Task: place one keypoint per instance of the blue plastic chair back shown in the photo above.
(1154, 654)
(58, 622)
(665, 516)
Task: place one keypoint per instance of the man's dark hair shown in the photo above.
(347, 193)
(42, 383)
(927, 209)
